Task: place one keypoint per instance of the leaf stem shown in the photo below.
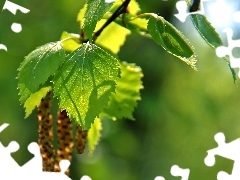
(68, 38)
(120, 10)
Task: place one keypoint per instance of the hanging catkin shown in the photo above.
(45, 133)
(81, 139)
(65, 140)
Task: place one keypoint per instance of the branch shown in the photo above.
(120, 10)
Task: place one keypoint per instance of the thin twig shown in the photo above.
(120, 10)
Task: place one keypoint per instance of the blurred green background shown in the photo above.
(180, 112)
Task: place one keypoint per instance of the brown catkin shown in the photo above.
(81, 139)
(65, 140)
(45, 133)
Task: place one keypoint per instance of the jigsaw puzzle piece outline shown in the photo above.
(31, 169)
(4, 125)
(85, 177)
(183, 12)
(227, 150)
(159, 178)
(35, 164)
(177, 171)
(12, 7)
(222, 51)
(5, 156)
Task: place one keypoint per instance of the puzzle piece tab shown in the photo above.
(35, 164)
(6, 159)
(10, 169)
(227, 150)
(177, 171)
(5, 153)
(183, 12)
(12, 7)
(3, 126)
(16, 27)
(222, 51)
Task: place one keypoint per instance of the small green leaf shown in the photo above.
(35, 100)
(206, 30)
(172, 40)
(80, 16)
(113, 36)
(209, 34)
(39, 65)
(137, 25)
(94, 12)
(133, 7)
(123, 102)
(84, 83)
(94, 135)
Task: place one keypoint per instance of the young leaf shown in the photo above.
(113, 37)
(94, 135)
(130, 21)
(137, 25)
(85, 81)
(133, 7)
(72, 41)
(123, 102)
(172, 40)
(206, 30)
(80, 16)
(39, 65)
(94, 12)
(35, 100)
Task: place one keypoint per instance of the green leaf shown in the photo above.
(84, 83)
(206, 30)
(38, 66)
(94, 135)
(172, 40)
(95, 11)
(123, 102)
(209, 34)
(35, 100)
(24, 93)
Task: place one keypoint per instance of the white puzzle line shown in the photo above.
(227, 150)
(11, 170)
(183, 12)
